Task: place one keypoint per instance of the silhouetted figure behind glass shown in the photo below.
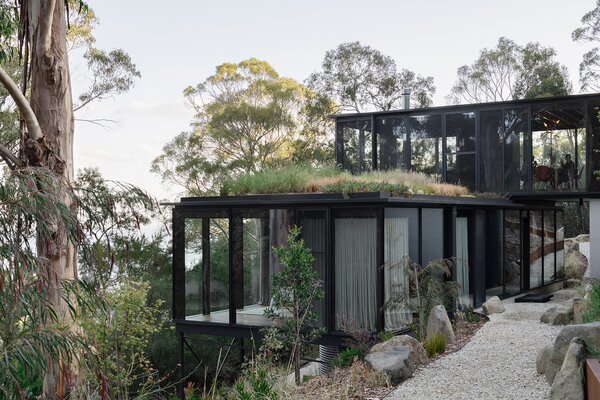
(568, 172)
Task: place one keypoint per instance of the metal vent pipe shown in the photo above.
(406, 97)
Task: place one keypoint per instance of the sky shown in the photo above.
(179, 43)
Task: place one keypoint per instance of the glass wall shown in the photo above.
(560, 246)
(432, 231)
(516, 165)
(426, 144)
(549, 247)
(558, 148)
(207, 269)
(460, 149)
(461, 272)
(594, 143)
(314, 233)
(355, 270)
(493, 253)
(392, 139)
(356, 141)
(512, 252)
(492, 140)
(535, 249)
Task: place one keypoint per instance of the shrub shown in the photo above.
(435, 344)
(346, 357)
(385, 336)
(592, 309)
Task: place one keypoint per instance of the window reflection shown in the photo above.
(460, 148)
(392, 135)
(426, 144)
(356, 145)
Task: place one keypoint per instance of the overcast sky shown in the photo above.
(178, 43)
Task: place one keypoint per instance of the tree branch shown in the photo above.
(7, 155)
(46, 28)
(33, 127)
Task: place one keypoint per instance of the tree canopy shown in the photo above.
(509, 72)
(360, 78)
(247, 118)
(589, 68)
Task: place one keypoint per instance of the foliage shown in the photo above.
(589, 68)
(306, 179)
(296, 288)
(247, 118)
(576, 218)
(510, 71)
(119, 336)
(346, 357)
(592, 310)
(435, 344)
(31, 329)
(359, 337)
(428, 286)
(384, 336)
(360, 78)
(256, 384)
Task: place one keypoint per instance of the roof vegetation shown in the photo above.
(305, 179)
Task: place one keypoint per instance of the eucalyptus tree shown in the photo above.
(248, 117)
(589, 69)
(359, 78)
(509, 72)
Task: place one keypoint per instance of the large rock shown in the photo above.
(571, 245)
(575, 265)
(439, 323)
(542, 358)
(493, 306)
(584, 237)
(568, 384)
(589, 333)
(418, 354)
(560, 315)
(396, 364)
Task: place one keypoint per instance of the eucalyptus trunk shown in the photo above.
(52, 104)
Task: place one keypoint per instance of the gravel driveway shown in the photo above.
(498, 362)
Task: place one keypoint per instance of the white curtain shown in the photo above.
(356, 271)
(395, 278)
(462, 261)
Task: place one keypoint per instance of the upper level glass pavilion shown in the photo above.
(545, 148)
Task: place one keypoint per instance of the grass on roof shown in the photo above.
(303, 179)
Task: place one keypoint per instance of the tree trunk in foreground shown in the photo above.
(52, 104)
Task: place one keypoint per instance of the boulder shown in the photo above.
(589, 333)
(418, 354)
(439, 323)
(568, 384)
(583, 237)
(560, 315)
(396, 364)
(575, 265)
(571, 245)
(542, 358)
(493, 306)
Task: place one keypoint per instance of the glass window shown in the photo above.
(426, 144)
(356, 152)
(207, 269)
(493, 252)
(558, 147)
(400, 230)
(432, 240)
(314, 233)
(460, 149)
(512, 252)
(461, 271)
(355, 252)
(535, 249)
(549, 247)
(516, 171)
(594, 116)
(391, 133)
(492, 176)
(560, 245)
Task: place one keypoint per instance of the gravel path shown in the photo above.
(498, 362)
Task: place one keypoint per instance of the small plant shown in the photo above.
(592, 309)
(435, 344)
(347, 357)
(359, 337)
(385, 336)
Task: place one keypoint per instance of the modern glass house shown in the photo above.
(530, 153)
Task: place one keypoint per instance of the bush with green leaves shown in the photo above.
(295, 290)
(591, 311)
(435, 344)
(346, 357)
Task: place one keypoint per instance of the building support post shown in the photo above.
(180, 392)
(594, 261)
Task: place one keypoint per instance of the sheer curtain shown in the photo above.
(395, 280)
(462, 261)
(356, 271)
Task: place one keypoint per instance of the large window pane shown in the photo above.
(558, 146)
(426, 144)
(461, 272)
(356, 149)
(535, 249)
(400, 239)
(549, 247)
(314, 232)
(594, 116)
(492, 176)
(392, 135)
(460, 149)
(512, 252)
(560, 245)
(207, 269)
(516, 168)
(493, 253)
(432, 239)
(355, 250)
